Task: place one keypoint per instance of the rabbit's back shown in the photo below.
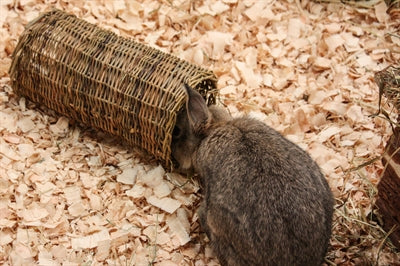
(266, 201)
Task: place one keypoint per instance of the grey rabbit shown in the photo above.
(266, 201)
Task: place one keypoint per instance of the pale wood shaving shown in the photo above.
(166, 204)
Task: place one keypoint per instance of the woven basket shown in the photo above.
(393, 8)
(388, 81)
(106, 81)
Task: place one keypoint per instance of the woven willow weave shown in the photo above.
(106, 81)
(388, 81)
(393, 8)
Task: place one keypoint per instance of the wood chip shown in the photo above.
(90, 241)
(128, 176)
(166, 204)
(177, 227)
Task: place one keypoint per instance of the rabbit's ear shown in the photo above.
(197, 111)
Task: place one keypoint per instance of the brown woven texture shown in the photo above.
(106, 81)
(393, 8)
(388, 81)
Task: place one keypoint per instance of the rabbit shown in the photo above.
(265, 201)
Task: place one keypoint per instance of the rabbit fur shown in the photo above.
(266, 201)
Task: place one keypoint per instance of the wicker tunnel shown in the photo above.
(106, 81)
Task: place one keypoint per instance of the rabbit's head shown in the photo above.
(193, 122)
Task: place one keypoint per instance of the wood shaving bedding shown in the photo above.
(72, 196)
